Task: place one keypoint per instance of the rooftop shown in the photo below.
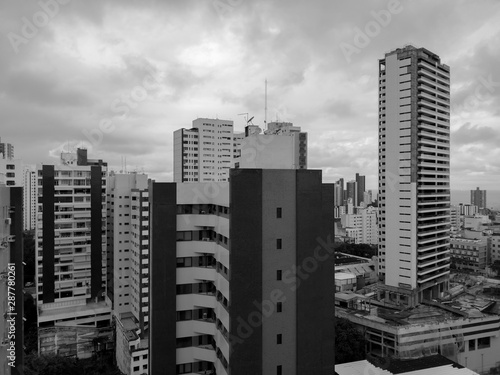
(435, 364)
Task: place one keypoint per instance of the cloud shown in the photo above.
(208, 63)
(468, 134)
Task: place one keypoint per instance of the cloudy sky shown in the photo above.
(121, 76)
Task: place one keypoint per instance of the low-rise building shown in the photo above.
(469, 254)
(465, 329)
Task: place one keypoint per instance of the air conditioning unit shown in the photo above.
(8, 221)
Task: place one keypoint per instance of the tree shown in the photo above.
(360, 250)
(60, 365)
(349, 342)
(496, 266)
(30, 325)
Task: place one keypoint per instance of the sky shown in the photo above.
(119, 76)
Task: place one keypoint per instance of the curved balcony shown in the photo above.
(190, 221)
(195, 353)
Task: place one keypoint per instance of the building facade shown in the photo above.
(6, 150)
(71, 257)
(478, 198)
(205, 152)
(11, 281)
(360, 183)
(29, 198)
(363, 225)
(201, 291)
(469, 254)
(414, 170)
(128, 268)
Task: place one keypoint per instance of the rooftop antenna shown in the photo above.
(265, 104)
(244, 114)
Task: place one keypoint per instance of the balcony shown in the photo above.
(437, 69)
(435, 238)
(437, 247)
(442, 125)
(188, 221)
(433, 209)
(434, 136)
(433, 97)
(432, 76)
(433, 261)
(436, 84)
(444, 270)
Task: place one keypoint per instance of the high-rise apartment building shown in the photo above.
(339, 193)
(205, 152)
(71, 256)
(360, 182)
(6, 150)
(12, 169)
(29, 198)
(362, 226)
(352, 192)
(240, 276)
(128, 268)
(11, 280)
(414, 174)
(300, 140)
(478, 198)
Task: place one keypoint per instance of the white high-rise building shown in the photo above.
(414, 174)
(128, 265)
(71, 257)
(210, 148)
(362, 226)
(204, 152)
(29, 197)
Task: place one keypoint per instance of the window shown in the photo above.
(483, 342)
(279, 307)
(278, 244)
(279, 370)
(278, 213)
(472, 345)
(278, 275)
(279, 339)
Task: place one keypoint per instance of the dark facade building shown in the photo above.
(11, 280)
(71, 248)
(242, 275)
(478, 198)
(360, 182)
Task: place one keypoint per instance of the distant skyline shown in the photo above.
(120, 76)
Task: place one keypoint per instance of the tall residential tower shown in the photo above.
(478, 198)
(414, 175)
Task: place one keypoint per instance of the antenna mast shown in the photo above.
(265, 104)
